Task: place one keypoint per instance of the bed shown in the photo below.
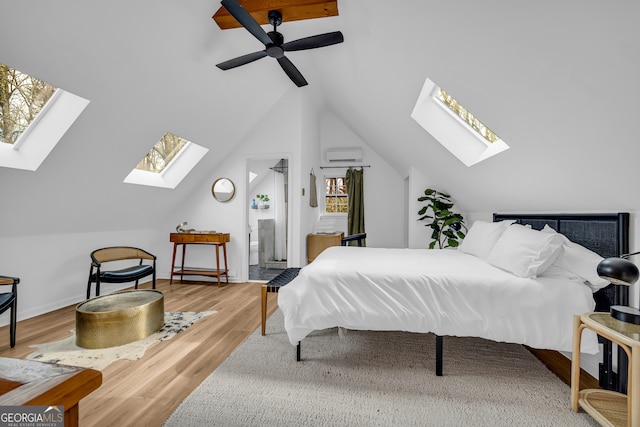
(459, 292)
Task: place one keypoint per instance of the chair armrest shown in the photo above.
(7, 280)
(359, 237)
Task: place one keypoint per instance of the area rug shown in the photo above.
(66, 352)
(368, 378)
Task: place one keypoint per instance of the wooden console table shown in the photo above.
(216, 239)
(30, 383)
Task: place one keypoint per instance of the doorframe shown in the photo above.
(247, 207)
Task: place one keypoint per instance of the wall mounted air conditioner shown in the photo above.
(344, 154)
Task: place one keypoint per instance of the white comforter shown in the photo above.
(446, 292)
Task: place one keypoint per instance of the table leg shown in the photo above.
(575, 362)
(226, 269)
(72, 416)
(218, 262)
(264, 308)
(633, 408)
(173, 263)
(184, 250)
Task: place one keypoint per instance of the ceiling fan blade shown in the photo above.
(312, 42)
(246, 20)
(241, 60)
(292, 71)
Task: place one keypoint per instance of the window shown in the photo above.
(34, 116)
(336, 197)
(453, 126)
(161, 155)
(22, 98)
(167, 163)
(466, 116)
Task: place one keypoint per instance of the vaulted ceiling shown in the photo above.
(558, 81)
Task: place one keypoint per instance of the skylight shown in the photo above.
(167, 163)
(22, 97)
(34, 115)
(466, 116)
(453, 126)
(161, 155)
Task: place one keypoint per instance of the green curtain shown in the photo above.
(355, 189)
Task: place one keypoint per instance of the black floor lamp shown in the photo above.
(621, 271)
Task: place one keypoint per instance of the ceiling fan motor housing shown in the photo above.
(275, 50)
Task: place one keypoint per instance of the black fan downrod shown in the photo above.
(275, 50)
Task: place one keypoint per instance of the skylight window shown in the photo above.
(167, 163)
(22, 98)
(466, 116)
(453, 126)
(34, 116)
(161, 155)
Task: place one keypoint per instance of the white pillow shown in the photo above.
(579, 260)
(525, 252)
(556, 272)
(482, 236)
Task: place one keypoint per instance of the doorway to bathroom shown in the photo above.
(268, 218)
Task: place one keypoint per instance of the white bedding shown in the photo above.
(446, 292)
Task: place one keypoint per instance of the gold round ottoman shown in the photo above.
(119, 318)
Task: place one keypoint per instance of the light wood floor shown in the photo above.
(145, 392)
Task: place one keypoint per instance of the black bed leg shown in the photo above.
(298, 352)
(438, 355)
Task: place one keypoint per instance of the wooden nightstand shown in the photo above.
(317, 243)
(609, 408)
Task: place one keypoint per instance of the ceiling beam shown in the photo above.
(291, 10)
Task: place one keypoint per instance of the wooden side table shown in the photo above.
(184, 239)
(609, 408)
(316, 243)
(31, 383)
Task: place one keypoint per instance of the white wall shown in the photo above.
(309, 161)
(385, 211)
(203, 212)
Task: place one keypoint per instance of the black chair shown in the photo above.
(9, 300)
(354, 237)
(128, 274)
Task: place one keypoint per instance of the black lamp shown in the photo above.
(621, 271)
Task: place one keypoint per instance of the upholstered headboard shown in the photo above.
(605, 234)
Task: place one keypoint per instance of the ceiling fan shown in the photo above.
(274, 42)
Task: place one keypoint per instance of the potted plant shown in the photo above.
(446, 225)
(264, 200)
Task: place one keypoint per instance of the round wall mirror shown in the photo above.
(223, 189)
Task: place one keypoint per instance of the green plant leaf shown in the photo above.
(449, 233)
